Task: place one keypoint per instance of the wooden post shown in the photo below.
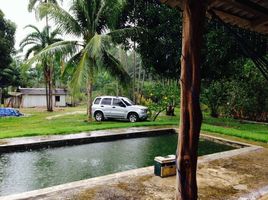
(190, 116)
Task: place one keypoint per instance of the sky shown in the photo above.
(17, 12)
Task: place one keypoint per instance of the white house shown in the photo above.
(36, 97)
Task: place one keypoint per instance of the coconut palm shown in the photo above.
(33, 3)
(93, 23)
(36, 41)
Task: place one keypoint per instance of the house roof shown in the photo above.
(14, 94)
(42, 91)
(246, 14)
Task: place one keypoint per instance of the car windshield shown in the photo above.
(128, 102)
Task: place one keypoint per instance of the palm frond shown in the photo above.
(99, 13)
(81, 72)
(121, 34)
(63, 19)
(31, 5)
(94, 46)
(33, 49)
(55, 33)
(33, 27)
(65, 48)
(80, 10)
(27, 42)
(70, 66)
(114, 67)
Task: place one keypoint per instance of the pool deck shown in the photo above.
(237, 174)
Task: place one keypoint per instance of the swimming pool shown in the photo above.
(35, 169)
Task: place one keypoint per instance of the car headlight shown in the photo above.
(144, 110)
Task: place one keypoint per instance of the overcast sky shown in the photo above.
(17, 12)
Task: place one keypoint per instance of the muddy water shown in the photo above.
(25, 171)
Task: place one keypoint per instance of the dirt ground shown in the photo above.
(224, 179)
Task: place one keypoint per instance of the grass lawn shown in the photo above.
(37, 124)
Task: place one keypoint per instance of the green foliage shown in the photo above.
(159, 96)
(243, 95)
(218, 54)
(160, 44)
(105, 84)
(214, 95)
(33, 3)
(37, 40)
(247, 94)
(7, 73)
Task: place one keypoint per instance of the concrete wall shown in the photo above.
(29, 101)
(60, 103)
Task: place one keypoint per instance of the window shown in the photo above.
(57, 98)
(97, 101)
(127, 102)
(118, 102)
(106, 101)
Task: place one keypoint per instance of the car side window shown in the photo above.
(106, 101)
(97, 101)
(118, 102)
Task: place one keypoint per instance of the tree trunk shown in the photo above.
(89, 95)
(50, 95)
(46, 85)
(134, 73)
(190, 116)
(1, 95)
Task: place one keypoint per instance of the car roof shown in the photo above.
(110, 97)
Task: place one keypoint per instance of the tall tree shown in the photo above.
(7, 32)
(34, 3)
(93, 22)
(164, 34)
(38, 40)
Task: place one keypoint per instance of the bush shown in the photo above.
(159, 97)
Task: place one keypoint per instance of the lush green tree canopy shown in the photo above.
(7, 32)
(160, 45)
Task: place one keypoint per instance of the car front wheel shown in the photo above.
(99, 116)
(133, 117)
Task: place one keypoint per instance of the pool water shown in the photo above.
(30, 170)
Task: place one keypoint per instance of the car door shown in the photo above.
(119, 110)
(106, 106)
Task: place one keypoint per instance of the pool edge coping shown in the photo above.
(39, 142)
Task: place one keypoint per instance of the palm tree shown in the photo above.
(35, 3)
(32, 3)
(93, 23)
(38, 40)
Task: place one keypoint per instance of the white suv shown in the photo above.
(105, 107)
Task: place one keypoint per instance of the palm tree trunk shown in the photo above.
(89, 95)
(46, 85)
(50, 95)
(191, 116)
(134, 73)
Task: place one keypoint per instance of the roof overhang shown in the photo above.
(247, 14)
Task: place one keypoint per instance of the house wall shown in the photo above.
(29, 101)
(60, 103)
